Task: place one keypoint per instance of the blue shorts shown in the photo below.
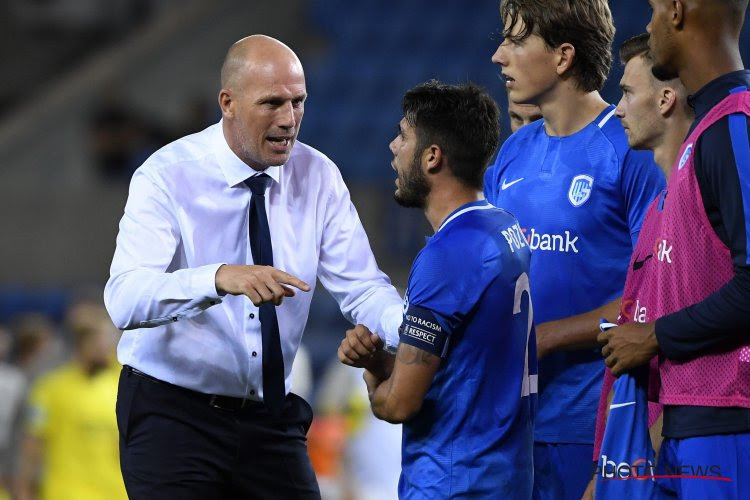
(562, 471)
(709, 466)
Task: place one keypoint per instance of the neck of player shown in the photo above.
(445, 199)
(568, 110)
(665, 154)
(708, 63)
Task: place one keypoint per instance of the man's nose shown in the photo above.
(286, 116)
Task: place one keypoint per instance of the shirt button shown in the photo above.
(252, 315)
(255, 354)
(252, 392)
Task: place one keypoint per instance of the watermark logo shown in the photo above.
(643, 469)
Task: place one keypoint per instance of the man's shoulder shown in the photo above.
(304, 153)
(187, 150)
(469, 240)
(518, 149)
(715, 145)
(612, 134)
(525, 137)
(310, 167)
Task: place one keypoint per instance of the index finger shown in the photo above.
(288, 279)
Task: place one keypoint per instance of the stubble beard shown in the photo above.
(413, 188)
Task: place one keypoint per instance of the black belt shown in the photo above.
(217, 401)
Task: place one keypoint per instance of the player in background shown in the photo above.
(463, 380)
(579, 193)
(522, 114)
(656, 117)
(692, 305)
(71, 429)
(655, 114)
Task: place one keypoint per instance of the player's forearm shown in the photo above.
(384, 402)
(574, 332)
(382, 365)
(384, 406)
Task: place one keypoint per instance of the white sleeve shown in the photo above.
(348, 270)
(140, 292)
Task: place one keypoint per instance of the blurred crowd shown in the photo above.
(58, 430)
(58, 384)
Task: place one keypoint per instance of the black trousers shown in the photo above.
(174, 445)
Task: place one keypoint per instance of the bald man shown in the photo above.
(691, 291)
(224, 235)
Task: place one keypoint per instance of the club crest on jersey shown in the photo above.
(580, 189)
(685, 156)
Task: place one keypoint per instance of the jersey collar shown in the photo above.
(468, 207)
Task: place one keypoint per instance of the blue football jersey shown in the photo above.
(627, 452)
(580, 200)
(468, 302)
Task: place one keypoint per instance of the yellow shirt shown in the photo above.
(74, 416)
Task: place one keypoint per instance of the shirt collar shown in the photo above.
(714, 91)
(235, 170)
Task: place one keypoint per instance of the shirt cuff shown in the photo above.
(391, 321)
(203, 281)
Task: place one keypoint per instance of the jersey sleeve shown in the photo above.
(642, 181)
(444, 287)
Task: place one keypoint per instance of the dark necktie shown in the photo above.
(260, 245)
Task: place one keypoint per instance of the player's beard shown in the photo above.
(413, 187)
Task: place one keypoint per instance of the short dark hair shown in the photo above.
(634, 46)
(585, 24)
(462, 119)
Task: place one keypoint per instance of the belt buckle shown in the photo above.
(215, 402)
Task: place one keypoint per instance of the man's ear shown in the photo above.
(667, 101)
(566, 54)
(226, 103)
(432, 159)
(678, 13)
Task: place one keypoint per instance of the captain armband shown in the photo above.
(420, 329)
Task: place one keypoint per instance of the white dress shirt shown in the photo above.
(186, 215)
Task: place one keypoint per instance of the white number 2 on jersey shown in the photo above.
(528, 382)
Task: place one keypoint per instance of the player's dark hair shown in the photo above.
(585, 24)
(462, 119)
(635, 46)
